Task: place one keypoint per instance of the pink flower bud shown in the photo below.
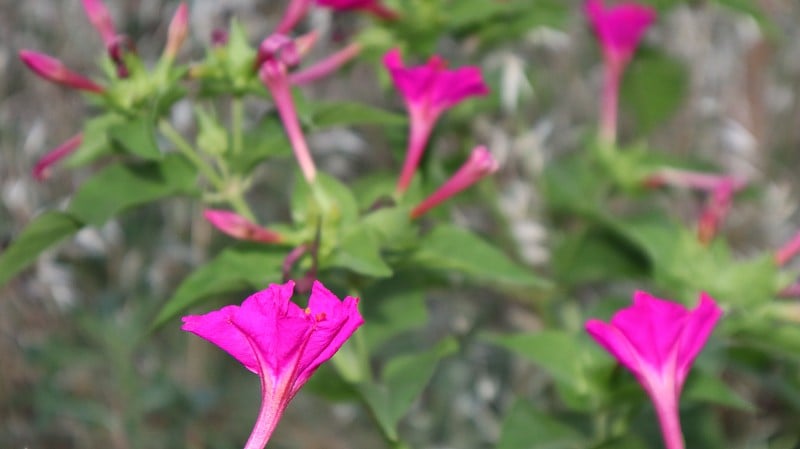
(788, 251)
(178, 30)
(42, 168)
(100, 18)
(239, 227)
(295, 12)
(54, 70)
(326, 66)
(480, 164)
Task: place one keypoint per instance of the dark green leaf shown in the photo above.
(121, 186)
(237, 268)
(388, 312)
(359, 252)
(402, 382)
(456, 249)
(702, 386)
(654, 87)
(526, 427)
(342, 113)
(45, 231)
(136, 137)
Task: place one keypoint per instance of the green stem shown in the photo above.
(237, 124)
(233, 196)
(186, 149)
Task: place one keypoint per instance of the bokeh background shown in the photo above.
(76, 369)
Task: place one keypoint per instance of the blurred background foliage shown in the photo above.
(716, 82)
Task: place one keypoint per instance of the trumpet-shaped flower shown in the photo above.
(428, 90)
(282, 343)
(374, 7)
(54, 70)
(619, 30)
(239, 227)
(100, 18)
(480, 164)
(42, 168)
(657, 341)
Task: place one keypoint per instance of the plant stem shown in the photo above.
(233, 196)
(237, 124)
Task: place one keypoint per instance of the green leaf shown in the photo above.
(136, 137)
(703, 386)
(265, 141)
(45, 231)
(234, 269)
(359, 252)
(455, 249)
(526, 427)
(325, 115)
(556, 352)
(654, 87)
(389, 309)
(95, 142)
(402, 382)
(327, 200)
(121, 186)
(597, 255)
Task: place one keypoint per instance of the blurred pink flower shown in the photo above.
(689, 179)
(42, 168)
(326, 66)
(277, 53)
(716, 209)
(657, 341)
(371, 6)
(178, 30)
(619, 30)
(100, 18)
(480, 164)
(282, 343)
(428, 90)
(239, 227)
(54, 70)
(788, 251)
(295, 11)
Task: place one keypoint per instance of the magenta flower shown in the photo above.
(619, 30)
(277, 54)
(282, 343)
(100, 18)
(178, 31)
(239, 227)
(294, 13)
(42, 168)
(788, 251)
(428, 90)
(479, 165)
(715, 211)
(373, 7)
(657, 341)
(326, 66)
(54, 70)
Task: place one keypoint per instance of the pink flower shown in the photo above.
(282, 343)
(276, 54)
(239, 227)
(295, 12)
(100, 18)
(371, 6)
(178, 30)
(326, 66)
(428, 90)
(657, 341)
(692, 179)
(619, 29)
(54, 70)
(479, 165)
(788, 251)
(715, 211)
(42, 168)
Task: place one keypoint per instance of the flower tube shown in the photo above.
(239, 227)
(54, 70)
(282, 343)
(480, 164)
(657, 341)
(619, 30)
(42, 168)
